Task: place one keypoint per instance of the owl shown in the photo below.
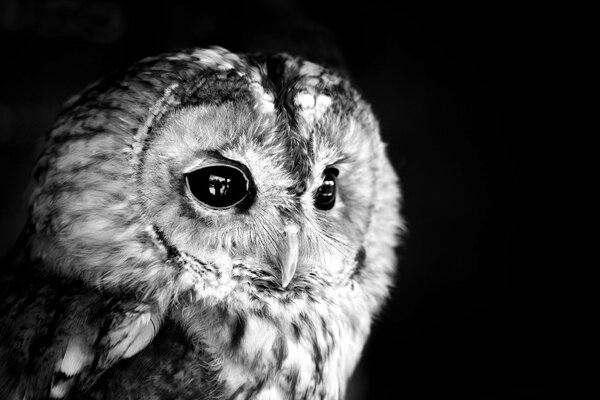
(203, 225)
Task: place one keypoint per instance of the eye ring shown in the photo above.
(220, 186)
(325, 196)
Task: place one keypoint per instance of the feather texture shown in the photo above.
(132, 285)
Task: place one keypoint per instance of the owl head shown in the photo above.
(252, 179)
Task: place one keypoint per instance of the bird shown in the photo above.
(203, 224)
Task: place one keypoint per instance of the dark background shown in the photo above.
(455, 89)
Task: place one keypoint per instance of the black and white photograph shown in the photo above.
(272, 199)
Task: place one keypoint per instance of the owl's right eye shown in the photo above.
(218, 186)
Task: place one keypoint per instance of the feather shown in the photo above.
(132, 285)
(77, 356)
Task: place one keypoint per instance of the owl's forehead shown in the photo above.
(276, 105)
(289, 87)
(264, 142)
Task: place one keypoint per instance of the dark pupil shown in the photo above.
(325, 196)
(218, 186)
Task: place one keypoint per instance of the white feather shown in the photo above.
(77, 356)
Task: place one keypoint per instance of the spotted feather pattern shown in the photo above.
(139, 290)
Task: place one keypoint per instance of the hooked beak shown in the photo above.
(290, 253)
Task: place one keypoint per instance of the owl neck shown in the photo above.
(291, 354)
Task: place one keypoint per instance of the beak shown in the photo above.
(289, 254)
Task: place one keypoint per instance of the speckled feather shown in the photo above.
(113, 222)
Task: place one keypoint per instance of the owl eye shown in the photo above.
(325, 195)
(218, 186)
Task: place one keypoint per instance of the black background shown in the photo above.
(454, 88)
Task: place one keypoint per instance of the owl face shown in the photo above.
(246, 177)
(279, 213)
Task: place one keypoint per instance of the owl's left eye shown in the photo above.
(326, 193)
(218, 186)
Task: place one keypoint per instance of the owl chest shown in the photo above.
(259, 358)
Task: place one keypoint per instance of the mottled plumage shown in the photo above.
(239, 207)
